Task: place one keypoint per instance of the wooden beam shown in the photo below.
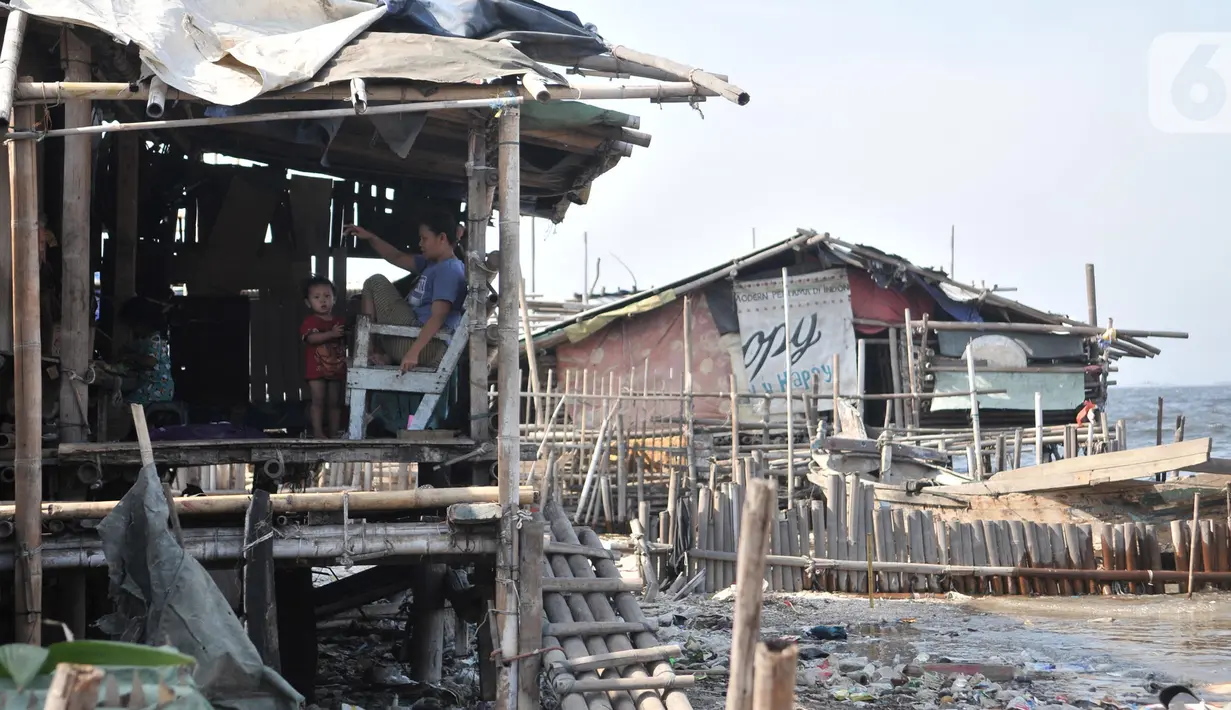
(530, 631)
(359, 589)
(869, 447)
(77, 286)
(27, 383)
(124, 233)
(428, 625)
(1085, 471)
(260, 603)
(1214, 465)
(6, 256)
(476, 300)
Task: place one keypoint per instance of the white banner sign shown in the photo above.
(820, 328)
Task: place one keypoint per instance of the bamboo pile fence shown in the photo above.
(848, 540)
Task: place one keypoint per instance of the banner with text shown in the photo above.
(820, 328)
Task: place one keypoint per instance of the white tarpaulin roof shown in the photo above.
(224, 51)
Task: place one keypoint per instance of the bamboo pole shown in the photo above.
(503, 104)
(237, 504)
(10, 56)
(837, 382)
(532, 362)
(690, 432)
(895, 378)
(974, 412)
(620, 658)
(1091, 299)
(734, 417)
(962, 326)
(477, 216)
(509, 461)
(912, 372)
(790, 411)
(1192, 544)
(776, 663)
(702, 79)
(750, 570)
(27, 91)
(28, 373)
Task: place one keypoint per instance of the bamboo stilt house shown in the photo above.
(206, 159)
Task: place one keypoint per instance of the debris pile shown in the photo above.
(874, 658)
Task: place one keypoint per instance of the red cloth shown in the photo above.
(327, 360)
(883, 304)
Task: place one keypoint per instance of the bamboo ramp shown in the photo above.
(602, 652)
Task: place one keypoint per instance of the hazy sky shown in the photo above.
(1026, 125)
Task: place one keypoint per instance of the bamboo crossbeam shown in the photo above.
(266, 117)
(52, 92)
(368, 541)
(962, 326)
(601, 607)
(596, 628)
(618, 659)
(585, 586)
(703, 79)
(356, 502)
(1098, 575)
(658, 682)
(587, 610)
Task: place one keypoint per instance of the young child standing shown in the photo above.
(326, 357)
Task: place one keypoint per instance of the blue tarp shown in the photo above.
(965, 312)
(517, 20)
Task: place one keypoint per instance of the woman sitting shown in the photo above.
(435, 303)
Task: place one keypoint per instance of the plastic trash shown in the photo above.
(826, 633)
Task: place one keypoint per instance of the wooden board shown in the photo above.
(870, 447)
(1083, 471)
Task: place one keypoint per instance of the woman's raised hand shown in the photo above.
(354, 230)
